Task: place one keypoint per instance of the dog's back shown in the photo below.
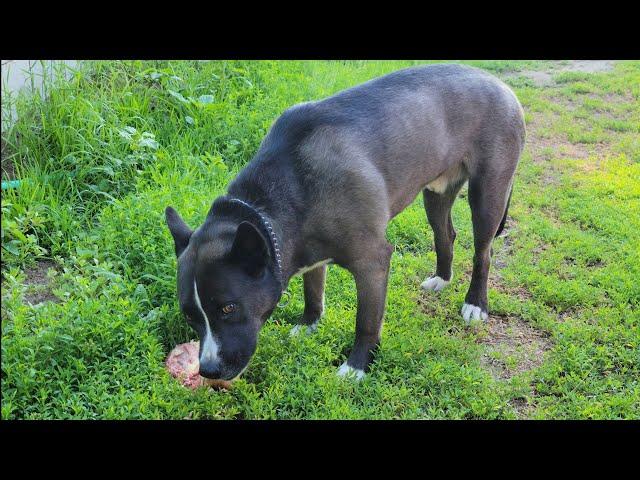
(392, 136)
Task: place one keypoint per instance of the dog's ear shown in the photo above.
(179, 230)
(250, 248)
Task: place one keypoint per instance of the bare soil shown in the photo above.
(544, 78)
(589, 66)
(38, 284)
(511, 346)
(8, 171)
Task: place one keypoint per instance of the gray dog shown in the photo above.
(324, 184)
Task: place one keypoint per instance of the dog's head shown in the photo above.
(226, 289)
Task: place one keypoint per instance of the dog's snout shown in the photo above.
(211, 369)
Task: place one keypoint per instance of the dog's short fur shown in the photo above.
(324, 184)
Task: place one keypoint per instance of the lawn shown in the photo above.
(89, 310)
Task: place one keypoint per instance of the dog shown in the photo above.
(325, 182)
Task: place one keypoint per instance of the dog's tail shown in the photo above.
(506, 210)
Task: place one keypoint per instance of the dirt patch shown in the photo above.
(523, 408)
(501, 255)
(544, 78)
(569, 104)
(588, 66)
(429, 304)
(8, 171)
(495, 283)
(539, 79)
(546, 148)
(511, 346)
(38, 284)
(611, 97)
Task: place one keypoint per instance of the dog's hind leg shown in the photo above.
(314, 281)
(438, 206)
(488, 196)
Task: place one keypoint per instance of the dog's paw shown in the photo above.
(349, 372)
(472, 313)
(434, 283)
(303, 329)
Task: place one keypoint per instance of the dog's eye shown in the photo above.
(229, 308)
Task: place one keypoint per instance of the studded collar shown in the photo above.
(273, 238)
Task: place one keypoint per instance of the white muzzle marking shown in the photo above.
(209, 346)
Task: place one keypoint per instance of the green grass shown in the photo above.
(107, 151)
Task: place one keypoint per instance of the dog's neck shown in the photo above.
(280, 236)
(269, 233)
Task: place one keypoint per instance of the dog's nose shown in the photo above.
(211, 369)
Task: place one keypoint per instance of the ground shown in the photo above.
(88, 288)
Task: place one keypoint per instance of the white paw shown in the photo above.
(347, 371)
(298, 329)
(434, 283)
(472, 313)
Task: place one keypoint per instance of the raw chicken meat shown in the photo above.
(183, 364)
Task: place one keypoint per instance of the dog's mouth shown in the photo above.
(228, 377)
(233, 379)
(233, 376)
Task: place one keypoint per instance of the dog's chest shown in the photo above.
(311, 267)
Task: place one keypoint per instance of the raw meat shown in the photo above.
(183, 364)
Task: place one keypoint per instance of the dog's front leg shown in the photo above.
(314, 281)
(371, 276)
